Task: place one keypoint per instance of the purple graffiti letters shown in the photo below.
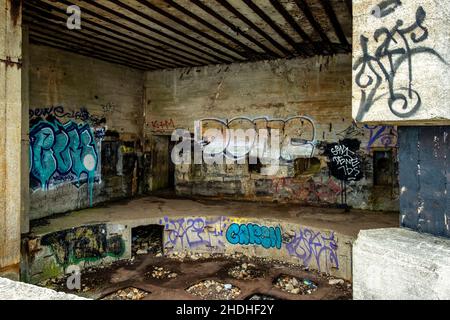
(384, 135)
(308, 244)
(188, 233)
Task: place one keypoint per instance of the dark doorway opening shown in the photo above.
(147, 239)
(383, 168)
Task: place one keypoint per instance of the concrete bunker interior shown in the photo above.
(101, 105)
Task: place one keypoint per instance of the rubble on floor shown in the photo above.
(261, 297)
(187, 255)
(229, 278)
(246, 271)
(161, 273)
(295, 285)
(334, 282)
(214, 290)
(127, 294)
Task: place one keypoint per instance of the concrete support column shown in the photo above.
(10, 135)
(25, 181)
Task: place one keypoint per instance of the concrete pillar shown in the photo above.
(400, 264)
(25, 217)
(401, 68)
(10, 135)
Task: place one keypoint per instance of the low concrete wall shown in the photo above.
(48, 255)
(14, 290)
(400, 264)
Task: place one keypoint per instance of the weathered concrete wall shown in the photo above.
(85, 131)
(317, 88)
(401, 61)
(318, 249)
(10, 136)
(48, 255)
(14, 290)
(400, 264)
(51, 254)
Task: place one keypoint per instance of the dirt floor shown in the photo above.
(203, 276)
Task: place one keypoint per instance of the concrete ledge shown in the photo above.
(400, 264)
(14, 290)
(318, 238)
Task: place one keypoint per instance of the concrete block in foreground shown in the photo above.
(14, 290)
(400, 264)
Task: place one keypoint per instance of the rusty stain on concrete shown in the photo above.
(15, 10)
(10, 63)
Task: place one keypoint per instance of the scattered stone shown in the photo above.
(214, 290)
(161, 273)
(261, 297)
(295, 285)
(130, 293)
(334, 282)
(245, 271)
(180, 256)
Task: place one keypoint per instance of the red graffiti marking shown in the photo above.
(167, 124)
(308, 191)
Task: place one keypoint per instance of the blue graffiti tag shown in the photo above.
(62, 152)
(244, 234)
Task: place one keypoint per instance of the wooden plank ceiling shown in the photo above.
(162, 34)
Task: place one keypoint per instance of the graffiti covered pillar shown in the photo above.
(401, 72)
(10, 135)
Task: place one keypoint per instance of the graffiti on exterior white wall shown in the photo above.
(396, 46)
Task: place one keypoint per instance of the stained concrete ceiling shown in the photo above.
(161, 34)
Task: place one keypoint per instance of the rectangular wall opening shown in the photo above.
(383, 168)
(147, 240)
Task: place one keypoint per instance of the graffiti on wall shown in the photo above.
(251, 233)
(345, 164)
(190, 233)
(59, 112)
(297, 135)
(397, 46)
(385, 136)
(162, 125)
(313, 246)
(62, 153)
(313, 190)
(87, 243)
(378, 136)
